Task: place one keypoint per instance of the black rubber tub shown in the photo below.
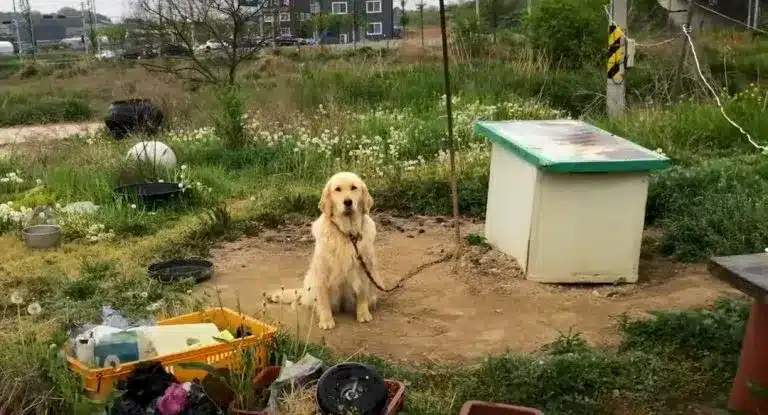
(149, 193)
(177, 270)
(351, 388)
(133, 116)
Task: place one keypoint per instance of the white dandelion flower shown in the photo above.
(34, 309)
(16, 298)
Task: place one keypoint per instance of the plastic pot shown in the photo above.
(490, 408)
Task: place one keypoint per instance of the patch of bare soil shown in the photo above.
(35, 133)
(451, 312)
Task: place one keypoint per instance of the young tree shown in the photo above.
(232, 24)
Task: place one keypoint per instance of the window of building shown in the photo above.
(286, 2)
(339, 7)
(285, 31)
(269, 19)
(375, 28)
(314, 7)
(285, 17)
(373, 6)
(304, 16)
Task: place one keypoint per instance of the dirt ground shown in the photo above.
(32, 133)
(442, 316)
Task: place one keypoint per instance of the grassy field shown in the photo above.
(711, 202)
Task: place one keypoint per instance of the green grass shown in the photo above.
(18, 108)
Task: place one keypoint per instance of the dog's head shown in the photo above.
(344, 195)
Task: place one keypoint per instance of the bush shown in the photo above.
(718, 207)
(228, 121)
(572, 32)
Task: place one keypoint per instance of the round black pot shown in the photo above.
(133, 116)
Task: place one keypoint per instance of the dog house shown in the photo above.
(567, 199)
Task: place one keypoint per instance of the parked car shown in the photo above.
(174, 49)
(142, 52)
(286, 41)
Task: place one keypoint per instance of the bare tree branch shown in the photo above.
(228, 22)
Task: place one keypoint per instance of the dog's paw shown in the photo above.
(275, 297)
(364, 316)
(327, 324)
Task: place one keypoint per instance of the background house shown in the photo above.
(717, 13)
(301, 18)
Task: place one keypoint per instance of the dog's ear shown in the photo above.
(326, 204)
(366, 204)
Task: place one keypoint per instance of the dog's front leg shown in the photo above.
(324, 309)
(362, 299)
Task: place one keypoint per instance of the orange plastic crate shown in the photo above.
(100, 382)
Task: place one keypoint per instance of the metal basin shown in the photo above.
(41, 236)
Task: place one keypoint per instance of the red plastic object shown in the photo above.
(489, 408)
(395, 396)
(753, 364)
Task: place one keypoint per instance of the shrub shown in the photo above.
(229, 123)
(572, 32)
(718, 207)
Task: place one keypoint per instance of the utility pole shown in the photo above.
(86, 36)
(27, 12)
(477, 9)
(756, 15)
(617, 44)
(684, 52)
(16, 28)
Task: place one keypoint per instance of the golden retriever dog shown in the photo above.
(335, 276)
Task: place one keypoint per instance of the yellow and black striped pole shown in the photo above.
(615, 53)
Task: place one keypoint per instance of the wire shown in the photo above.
(687, 33)
(653, 45)
(732, 19)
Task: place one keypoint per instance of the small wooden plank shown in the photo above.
(747, 273)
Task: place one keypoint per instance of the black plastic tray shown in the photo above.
(176, 270)
(151, 192)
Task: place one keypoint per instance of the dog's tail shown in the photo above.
(295, 296)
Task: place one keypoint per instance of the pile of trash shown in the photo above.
(116, 340)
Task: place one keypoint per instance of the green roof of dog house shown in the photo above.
(570, 146)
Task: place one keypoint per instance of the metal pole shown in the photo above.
(749, 13)
(684, 52)
(616, 83)
(451, 142)
(477, 9)
(18, 32)
(756, 14)
(86, 37)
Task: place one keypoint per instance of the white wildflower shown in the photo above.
(16, 298)
(34, 309)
